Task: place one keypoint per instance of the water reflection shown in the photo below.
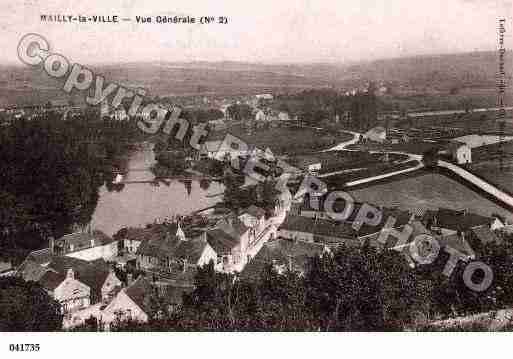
(142, 200)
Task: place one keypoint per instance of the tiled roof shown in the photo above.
(321, 227)
(94, 277)
(255, 211)
(171, 246)
(31, 271)
(93, 274)
(455, 220)
(282, 252)
(5, 266)
(41, 256)
(191, 249)
(233, 226)
(83, 240)
(33, 267)
(63, 263)
(402, 217)
(51, 280)
(220, 241)
(140, 291)
(179, 277)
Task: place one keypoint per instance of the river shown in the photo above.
(138, 204)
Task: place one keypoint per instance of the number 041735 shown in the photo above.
(24, 347)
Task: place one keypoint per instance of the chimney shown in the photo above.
(179, 233)
(129, 279)
(289, 262)
(51, 244)
(70, 274)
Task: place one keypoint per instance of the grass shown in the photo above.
(286, 140)
(428, 191)
(491, 172)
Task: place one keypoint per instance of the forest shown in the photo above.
(52, 171)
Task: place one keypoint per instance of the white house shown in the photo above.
(376, 134)
(265, 96)
(131, 303)
(71, 293)
(283, 116)
(86, 246)
(260, 116)
(460, 152)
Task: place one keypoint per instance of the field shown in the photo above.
(285, 140)
(491, 172)
(428, 191)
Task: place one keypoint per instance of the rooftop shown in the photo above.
(321, 227)
(51, 280)
(170, 246)
(283, 253)
(456, 220)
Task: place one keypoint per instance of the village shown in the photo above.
(111, 279)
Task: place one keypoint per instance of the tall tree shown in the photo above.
(25, 306)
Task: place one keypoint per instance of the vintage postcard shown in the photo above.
(265, 166)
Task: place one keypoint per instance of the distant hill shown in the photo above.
(475, 70)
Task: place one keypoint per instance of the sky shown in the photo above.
(264, 31)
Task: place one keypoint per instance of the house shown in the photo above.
(376, 134)
(130, 303)
(6, 269)
(173, 252)
(316, 230)
(236, 242)
(453, 241)
(283, 116)
(132, 238)
(97, 275)
(460, 152)
(260, 116)
(137, 301)
(74, 282)
(34, 265)
(229, 240)
(254, 217)
(265, 96)
(71, 293)
(283, 255)
(309, 164)
(448, 221)
(88, 246)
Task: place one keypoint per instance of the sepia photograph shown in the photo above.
(226, 167)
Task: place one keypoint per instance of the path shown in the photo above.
(485, 186)
(342, 146)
